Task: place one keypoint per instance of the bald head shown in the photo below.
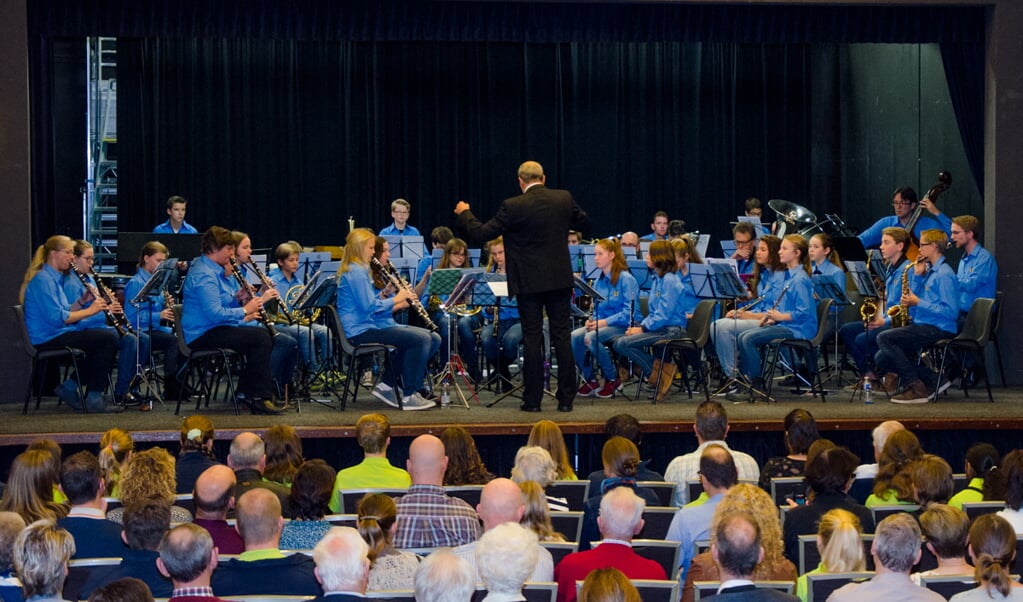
(247, 451)
(214, 492)
(500, 502)
(427, 461)
(259, 519)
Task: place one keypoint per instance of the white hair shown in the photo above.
(444, 577)
(341, 559)
(534, 463)
(620, 512)
(506, 557)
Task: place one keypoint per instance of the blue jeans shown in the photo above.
(634, 346)
(896, 346)
(414, 346)
(509, 335)
(283, 358)
(724, 333)
(750, 343)
(593, 341)
(126, 363)
(314, 349)
(861, 344)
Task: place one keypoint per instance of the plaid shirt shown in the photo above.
(429, 518)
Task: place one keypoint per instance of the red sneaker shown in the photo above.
(588, 389)
(609, 388)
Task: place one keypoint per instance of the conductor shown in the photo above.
(534, 224)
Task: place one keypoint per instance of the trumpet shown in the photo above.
(119, 320)
(262, 316)
(401, 284)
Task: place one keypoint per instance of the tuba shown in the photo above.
(900, 313)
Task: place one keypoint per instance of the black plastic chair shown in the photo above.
(353, 353)
(71, 353)
(697, 335)
(972, 339)
(806, 349)
(202, 370)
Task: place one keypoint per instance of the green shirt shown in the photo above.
(974, 492)
(371, 473)
(888, 499)
(801, 592)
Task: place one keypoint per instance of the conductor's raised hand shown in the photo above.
(460, 207)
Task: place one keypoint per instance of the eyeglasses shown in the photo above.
(900, 203)
(400, 211)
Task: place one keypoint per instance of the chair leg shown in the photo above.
(31, 383)
(998, 354)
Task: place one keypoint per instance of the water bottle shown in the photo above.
(866, 392)
(445, 394)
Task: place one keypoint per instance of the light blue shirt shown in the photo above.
(46, 306)
(619, 299)
(798, 303)
(938, 291)
(977, 274)
(688, 526)
(394, 231)
(665, 308)
(165, 228)
(871, 237)
(359, 305)
(208, 298)
(150, 312)
(73, 290)
(893, 288)
(829, 270)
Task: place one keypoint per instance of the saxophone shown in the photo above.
(868, 311)
(900, 313)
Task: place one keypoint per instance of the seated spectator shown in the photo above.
(188, 558)
(150, 478)
(621, 460)
(745, 497)
(29, 490)
(283, 454)
(213, 498)
(11, 524)
(1012, 468)
(144, 526)
(196, 452)
(465, 467)
(444, 577)
(534, 463)
(310, 494)
(115, 449)
(82, 483)
(262, 569)
(931, 479)
(896, 549)
(981, 458)
(992, 548)
(892, 485)
(736, 549)
(506, 557)
(547, 434)
(865, 473)
(342, 567)
(537, 515)
(624, 425)
(828, 475)
(389, 568)
(126, 589)
(620, 519)
(800, 432)
(840, 546)
(373, 433)
(608, 585)
(53, 461)
(248, 461)
(945, 530)
(41, 554)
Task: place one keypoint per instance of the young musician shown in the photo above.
(315, 350)
(285, 348)
(611, 317)
(456, 255)
(793, 314)
(977, 271)
(685, 253)
(367, 318)
(439, 237)
(400, 210)
(212, 318)
(176, 224)
(825, 263)
(904, 204)
(50, 318)
(128, 344)
(658, 227)
(666, 316)
(146, 318)
(501, 350)
(862, 342)
(932, 299)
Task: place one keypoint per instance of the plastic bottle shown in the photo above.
(445, 394)
(866, 392)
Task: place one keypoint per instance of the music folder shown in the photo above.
(861, 277)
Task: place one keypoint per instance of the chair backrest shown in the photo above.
(882, 512)
(665, 490)
(575, 492)
(996, 323)
(560, 549)
(975, 509)
(820, 586)
(656, 520)
(333, 322)
(350, 497)
(184, 500)
(810, 556)
(664, 553)
(656, 590)
(393, 595)
(532, 591)
(977, 326)
(787, 487)
(948, 585)
(960, 481)
(823, 307)
(26, 341)
(179, 333)
(470, 494)
(342, 520)
(569, 524)
(698, 327)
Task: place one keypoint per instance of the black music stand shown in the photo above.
(310, 262)
(318, 293)
(155, 286)
(825, 288)
(443, 282)
(865, 287)
(592, 293)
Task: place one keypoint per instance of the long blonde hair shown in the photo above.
(547, 434)
(751, 499)
(42, 254)
(29, 490)
(838, 538)
(537, 517)
(354, 244)
(115, 447)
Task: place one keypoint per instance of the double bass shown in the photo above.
(943, 184)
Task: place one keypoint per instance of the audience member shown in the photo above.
(608, 585)
(981, 458)
(188, 558)
(745, 497)
(547, 434)
(718, 474)
(624, 425)
(41, 554)
(893, 485)
(29, 490)
(342, 567)
(828, 475)
(621, 459)
(621, 518)
(992, 548)
(506, 557)
(500, 503)
(428, 517)
(710, 427)
(864, 477)
(248, 461)
(465, 467)
(115, 448)
(389, 568)
(931, 479)
(82, 483)
(1012, 467)
(800, 432)
(945, 530)
(53, 461)
(737, 551)
(196, 452)
(125, 589)
(537, 515)
(11, 524)
(213, 498)
(534, 463)
(310, 494)
(444, 577)
(150, 477)
(262, 569)
(283, 454)
(145, 523)
(839, 545)
(373, 433)
(896, 549)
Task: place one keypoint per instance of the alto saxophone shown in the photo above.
(900, 313)
(868, 311)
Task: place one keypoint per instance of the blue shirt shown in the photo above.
(165, 228)
(938, 291)
(769, 288)
(46, 306)
(893, 287)
(208, 299)
(73, 290)
(690, 525)
(829, 270)
(665, 308)
(653, 236)
(393, 231)
(619, 299)
(150, 312)
(745, 266)
(689, 300)
(359, 305)
(871, 237)
(798, 303)
(283, 285)
(977, 274)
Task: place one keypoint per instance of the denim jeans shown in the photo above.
(414, 346)
(725, 333)
(593, 341)
(750, 343)
(509, 335)
(896, 347)
(861, 344)
(634, 346)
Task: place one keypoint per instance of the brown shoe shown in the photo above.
(624, 376)
(654, 372)
(890, 383)
(667, 379)
(917, 392)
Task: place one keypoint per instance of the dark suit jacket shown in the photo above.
(535, 227)
(94, 537)
(291, 575)
(804, 520)
(753, 594)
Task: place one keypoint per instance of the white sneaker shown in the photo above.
(386, 394)
(415, 402)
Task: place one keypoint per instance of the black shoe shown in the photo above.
(129, 399)
(529, 408)
(258, 405)
(564, 407)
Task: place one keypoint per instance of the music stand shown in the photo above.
(849, 247)
(311, 262)
(592, 293)
(156, 284)
(457, 284)
(864, 286)
(825, 288)
(320, 292)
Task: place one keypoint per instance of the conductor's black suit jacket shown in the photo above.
(535, 227)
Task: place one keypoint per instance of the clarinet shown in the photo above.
(119, 321)
(262, 316)
(270, 286)
(168, 303)
(400, 284)
(109, 297)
